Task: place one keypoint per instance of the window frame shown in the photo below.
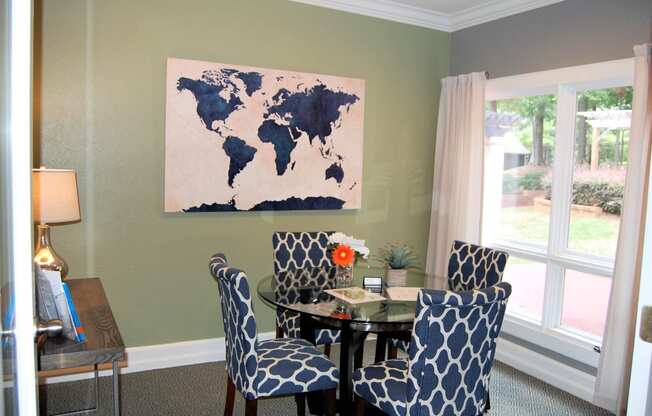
(565, 83)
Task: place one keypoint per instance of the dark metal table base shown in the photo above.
(351, 342)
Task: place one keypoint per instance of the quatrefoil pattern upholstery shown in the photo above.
(384, 385)
(469, 267)
(267, 368)
(474, 267)
(300, 250)
(450, 356)
(290, 366)
(297, 256)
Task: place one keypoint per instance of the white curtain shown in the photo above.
(615, 360)
(457, 181)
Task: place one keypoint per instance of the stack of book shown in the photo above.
(55, 302)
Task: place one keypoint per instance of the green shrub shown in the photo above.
(606, 195)
(546, 183)
(613, 207)
(532, 181)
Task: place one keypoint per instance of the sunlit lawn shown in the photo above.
(589, 234)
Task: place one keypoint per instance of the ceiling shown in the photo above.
(446, 15)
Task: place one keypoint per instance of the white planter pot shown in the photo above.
(396, 277)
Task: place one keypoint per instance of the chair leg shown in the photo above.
(327, 350)
(358, 406)
(279, 332)
(488, 405)
(230, 397)
(301, 404)
(392, 352)
(251, 407)
(331, 402)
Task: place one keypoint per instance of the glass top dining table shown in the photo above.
(304, 291)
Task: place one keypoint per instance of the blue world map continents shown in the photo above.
(310, 113)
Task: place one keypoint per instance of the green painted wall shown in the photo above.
(100, 109)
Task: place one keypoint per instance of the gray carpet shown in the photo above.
(200, 390)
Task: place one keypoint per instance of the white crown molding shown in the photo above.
(495, 10)
(417, 16)
(388, 10)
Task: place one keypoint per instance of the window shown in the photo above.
(528, 280)
(582, 311)
(600, 163)
(555, 166)
(524, 162)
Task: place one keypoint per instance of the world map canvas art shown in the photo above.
(249, 139)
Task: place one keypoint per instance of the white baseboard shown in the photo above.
(154, 357)
(562, 376)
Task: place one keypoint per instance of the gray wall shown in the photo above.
(573, 32)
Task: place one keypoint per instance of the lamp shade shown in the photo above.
(54, 196)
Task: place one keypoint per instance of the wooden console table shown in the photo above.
(104, 345)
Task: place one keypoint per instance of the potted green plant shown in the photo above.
(397, 258)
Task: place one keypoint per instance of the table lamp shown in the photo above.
(55, 200)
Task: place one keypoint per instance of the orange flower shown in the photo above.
(343, 255)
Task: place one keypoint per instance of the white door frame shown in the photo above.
(640, 381)
(20, 121)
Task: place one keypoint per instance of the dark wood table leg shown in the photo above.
(301, 404)
(358, 348)
(331, 402)
(230, 397)
(381, 347)
(346, 371)
(307, 331)
(351, 342)
(251, 407)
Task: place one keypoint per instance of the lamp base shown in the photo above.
(45, 255)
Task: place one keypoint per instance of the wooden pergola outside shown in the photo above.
(602, 122)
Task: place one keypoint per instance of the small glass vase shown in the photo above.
(344, 276)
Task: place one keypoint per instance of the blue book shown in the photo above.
(79, 329)
(8, 318)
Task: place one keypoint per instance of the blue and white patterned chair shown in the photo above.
(474, 267)
(294, 251)
(261, 369)
(450, 358)
(469, 267)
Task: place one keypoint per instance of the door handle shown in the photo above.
(44, 330)
(50, 329)
(646, 324)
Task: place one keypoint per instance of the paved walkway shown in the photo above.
(586, 296)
